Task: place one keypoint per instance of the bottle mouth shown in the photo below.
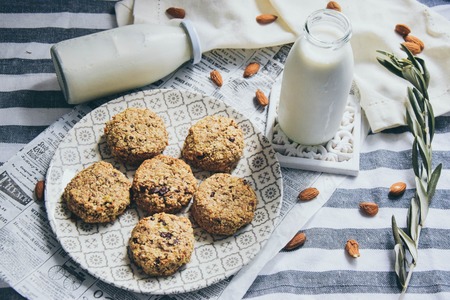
(335, 20)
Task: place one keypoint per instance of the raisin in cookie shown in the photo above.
(162, 243)
(163, 184)
(223, 203)
(214, 143)
(136, 134)
(98, 194)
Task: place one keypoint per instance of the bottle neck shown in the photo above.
(328, 29)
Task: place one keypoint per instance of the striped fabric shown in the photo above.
(31, 100)
(30, 97)
(322, 268)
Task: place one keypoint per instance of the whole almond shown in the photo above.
(261, 98)
(39, 190)
(369, 208)
(414, 39)
(334, 5)
(352, 248)
(216, 78)
(176, 12)
(297, 241)
(402, 29)
(413, 47)
(397, 189)
(266, 19)
(251, 69)
(308, 194)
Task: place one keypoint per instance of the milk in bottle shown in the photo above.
(317, 79)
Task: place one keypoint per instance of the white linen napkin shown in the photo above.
(232, 24)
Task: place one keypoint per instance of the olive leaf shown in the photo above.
(412, 219)
(431, 120)
(415, 158)
(397, 238)
(434, 180)
(410, 244)
(421, 122)
(400, 268)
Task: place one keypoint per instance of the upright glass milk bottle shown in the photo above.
(317, 79)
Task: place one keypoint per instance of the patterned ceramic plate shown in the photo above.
(102, 249)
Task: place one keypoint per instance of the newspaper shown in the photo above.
(33, 262)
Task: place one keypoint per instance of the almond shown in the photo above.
(369, 208)
(297, 241)
(39, 190)
(352, 248)
(251, 69)
(402, 29)
(412, 47)
(334, 5)
(216, 78)
(266, 19)
(308, 194)
(261, 98)
(397, 189)
(413, 39)
(176, 12)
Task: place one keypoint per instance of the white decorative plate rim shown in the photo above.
(94, 247)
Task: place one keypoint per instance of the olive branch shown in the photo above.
(421, 123)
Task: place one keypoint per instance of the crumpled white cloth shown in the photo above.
(231, 24)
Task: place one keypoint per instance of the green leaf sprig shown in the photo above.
(421, 123)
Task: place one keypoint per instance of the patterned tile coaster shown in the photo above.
(340, 155)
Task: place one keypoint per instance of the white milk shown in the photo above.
(117, 60)
(317, 79)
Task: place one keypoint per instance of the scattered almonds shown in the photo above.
(266, 19)
(39, 190)
(297, 241)
(334, 5)
(369, 208)
(308, 194)
(251, 69)
(261, 98)
(412, 39)
(402, 29)
(414, 44)
(176, 12)
(216, 78)
(397, 189)
(352, 248)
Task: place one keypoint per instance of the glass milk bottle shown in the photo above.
(317, 79)
(122, 58)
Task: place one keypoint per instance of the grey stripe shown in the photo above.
(42, 35)
(345, 198)
(397, 160)
(33, 99)
(313, 283)
(24, 6)
(374, 239)
(19, 134)
(442, 125)
(24, 66)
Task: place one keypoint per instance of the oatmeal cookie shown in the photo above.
(98, 194)
(136, 134)
(214, 143)
(163, 184)
(160, 244)
(223, 203)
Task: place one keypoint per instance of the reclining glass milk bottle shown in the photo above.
(317, 79)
